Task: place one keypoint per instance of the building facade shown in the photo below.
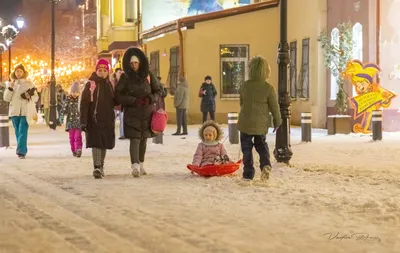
(117, 28)
(220, 43)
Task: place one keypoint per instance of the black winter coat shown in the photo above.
(100, 131)
(137, 96)
(207, 100)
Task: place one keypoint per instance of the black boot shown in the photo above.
(97, 173)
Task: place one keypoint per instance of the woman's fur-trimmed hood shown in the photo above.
(143, 67)
(19, 66)
(220, 133)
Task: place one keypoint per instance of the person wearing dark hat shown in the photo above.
(207, 94)
(137, 91)
(19, 93)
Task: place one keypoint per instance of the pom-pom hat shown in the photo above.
(103, 63)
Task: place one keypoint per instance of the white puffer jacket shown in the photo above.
(17, 103)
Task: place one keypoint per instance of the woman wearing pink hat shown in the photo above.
(97, 116)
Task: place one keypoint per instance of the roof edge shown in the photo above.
(173, 25)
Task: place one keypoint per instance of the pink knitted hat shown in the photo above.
(103, 63)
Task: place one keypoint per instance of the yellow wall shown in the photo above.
(203, 58)
(260, 30)
(163, 45)
(117, 30)
(302, 26)
(118, 15)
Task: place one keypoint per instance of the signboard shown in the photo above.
(370, 95)
(158, 12)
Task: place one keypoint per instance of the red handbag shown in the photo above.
(159, 121)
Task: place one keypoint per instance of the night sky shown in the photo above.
(8, 9)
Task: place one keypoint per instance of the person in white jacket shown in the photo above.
(19, 93)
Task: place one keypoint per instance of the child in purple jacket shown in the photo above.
(210, 150)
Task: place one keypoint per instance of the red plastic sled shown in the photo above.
(215, 170)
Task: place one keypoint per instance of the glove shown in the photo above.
(31, 91)
(83, 128)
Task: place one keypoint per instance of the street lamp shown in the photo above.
(53, 102)
(3, 48)
(10, 33)
(20, 22)
(283, 152)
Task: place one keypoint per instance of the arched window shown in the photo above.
(335, 43)
(358, 45)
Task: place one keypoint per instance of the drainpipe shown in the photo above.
(139, 22)
(181, 57)
(378, 34)
(378, 31)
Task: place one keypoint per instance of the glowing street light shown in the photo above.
(8, 42)
(20, 22)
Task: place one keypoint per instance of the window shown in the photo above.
(293, 69)
(155, 63)
(234, 60)
(305, 69)
(358, 46)
(129, 11)
(173, 69)
(335, 43)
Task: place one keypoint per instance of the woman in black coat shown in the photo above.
(97, 116)
(137, 91)
(207, 94)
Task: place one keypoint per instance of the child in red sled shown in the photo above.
(210, 151)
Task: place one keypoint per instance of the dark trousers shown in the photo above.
(212, 116)
(137, 150)
(98, 155)
(181, 120)
(247, 144)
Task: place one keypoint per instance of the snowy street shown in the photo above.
(341, 194)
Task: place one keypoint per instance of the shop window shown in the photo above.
(234, 63)
(173, 69)
(305, 69)
(293, 69)
(358, 45)
(335, 43)
(155, 63)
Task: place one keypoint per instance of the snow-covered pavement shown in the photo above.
(341, 194)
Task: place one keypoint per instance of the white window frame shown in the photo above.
(134, 12)
(232, 59)
(358, 48)
(334, 86)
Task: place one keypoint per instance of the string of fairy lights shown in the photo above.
(40, 72)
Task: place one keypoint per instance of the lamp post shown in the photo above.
(53, 102)
(4, 119)
(3, 48)
(10, 33)
(8, 42)
(283, 152)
